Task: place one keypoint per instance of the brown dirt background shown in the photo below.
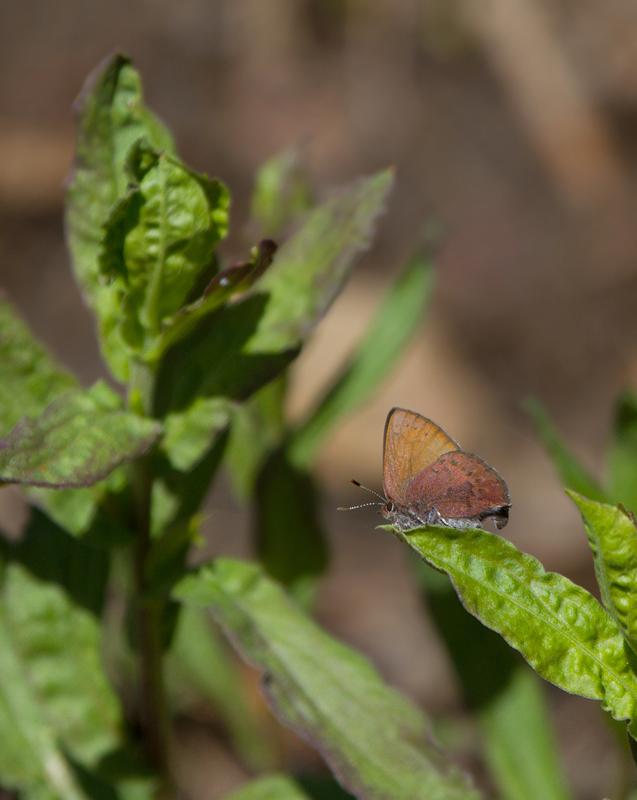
(512, 121)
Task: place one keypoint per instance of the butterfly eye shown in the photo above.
(389, 506)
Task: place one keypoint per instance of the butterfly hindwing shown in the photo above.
(459, 486)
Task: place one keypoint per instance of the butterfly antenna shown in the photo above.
(363, 505)
(360, 485)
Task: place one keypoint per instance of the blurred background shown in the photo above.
(513, 122)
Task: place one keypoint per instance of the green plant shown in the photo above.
(100, 621)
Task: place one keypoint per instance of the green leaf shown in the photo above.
(252, 340)
(622, 453)
(505, 695)
(281, 192)
(58, 646)
(311, 267)
(30, 380)
(189, 434)
(235, 279)
(216, 359)
(521, 747)
(29, 377)
(326, 692)
(322, 787)
(271, 787)
(613, 539)
(55, 556)
(159, 239)
(572, 474)
(177, 495)
(290, 541)
(100, 513)
(257, 429)
(559, 628)
(77, 440)
(30, 756)
(200, 658)
(391, 330)
(111, 117)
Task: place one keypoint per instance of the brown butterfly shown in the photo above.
(429, 480)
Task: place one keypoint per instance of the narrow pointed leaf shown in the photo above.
(110, 117)
(58, 645)
(310, 269)
(281, 192)
(77, 440)
(559, 628)
(326, 692)
(572, 474)
(272, 787)
(53, 555)
(613, 539)
(391, 330)
(622, 454)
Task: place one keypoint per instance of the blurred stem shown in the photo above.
(155, 717)
(149, 608)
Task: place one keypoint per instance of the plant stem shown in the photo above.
(155, 717)
(149, 608)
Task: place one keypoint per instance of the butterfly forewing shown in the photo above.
(412, 444)
(459, 486)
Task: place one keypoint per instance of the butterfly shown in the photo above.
(429, 480)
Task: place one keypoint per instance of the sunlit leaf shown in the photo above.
(110, 117)
(559, 628)
(613, 539)
(77, 440)
(159, 238)
(327, 693)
